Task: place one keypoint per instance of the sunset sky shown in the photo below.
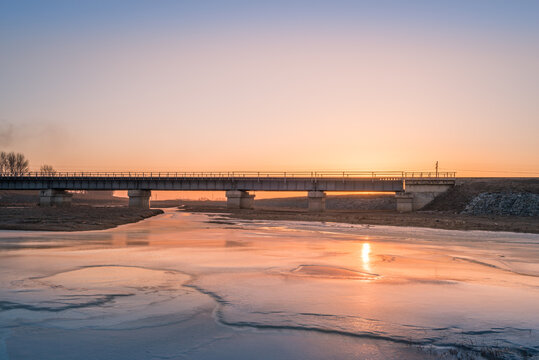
(274, 85)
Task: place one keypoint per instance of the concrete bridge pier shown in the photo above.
(317, 201)
(139, 198)
(239, 199)
(405, 202)
(53, 197)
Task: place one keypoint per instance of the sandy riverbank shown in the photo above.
(75, 218)
(430, 219)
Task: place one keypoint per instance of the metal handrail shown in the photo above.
(386, 175)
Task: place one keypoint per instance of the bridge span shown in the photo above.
(413, 189)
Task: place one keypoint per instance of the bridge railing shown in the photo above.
(385, 175)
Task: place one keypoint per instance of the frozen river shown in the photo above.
(194, 286)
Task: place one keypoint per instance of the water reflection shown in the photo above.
(365, 256)
(130, 238)
(138, 238)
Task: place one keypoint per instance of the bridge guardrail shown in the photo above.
(381, 175)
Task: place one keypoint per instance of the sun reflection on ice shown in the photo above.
(365, 256)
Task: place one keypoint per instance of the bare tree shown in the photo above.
(3, 162)
(21, 164)
(47, 170)
(15, 164)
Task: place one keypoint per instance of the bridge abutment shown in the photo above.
(53, 197)
(139, 198)
(239, 199)
(419, 193)
(317, 201)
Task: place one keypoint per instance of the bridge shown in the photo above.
(413, 189)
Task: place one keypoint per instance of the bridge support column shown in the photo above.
(52, 197)
(317, 201)
(139, 198)
(404, 202)
(238, 199)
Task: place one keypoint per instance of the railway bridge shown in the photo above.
(413, 190)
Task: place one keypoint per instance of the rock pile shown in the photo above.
(515, 204)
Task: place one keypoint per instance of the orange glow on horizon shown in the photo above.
(275, 99)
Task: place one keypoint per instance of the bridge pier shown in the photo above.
(239, 199)
(317, 201)
(139, 198)
(53, 197)
(405, 202)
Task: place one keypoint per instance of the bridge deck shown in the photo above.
(253, 181)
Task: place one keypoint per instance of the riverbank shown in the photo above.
(75, 218)
(492, 204)
(430, 219)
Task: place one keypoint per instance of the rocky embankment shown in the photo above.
(466, 191)
(504, 204)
